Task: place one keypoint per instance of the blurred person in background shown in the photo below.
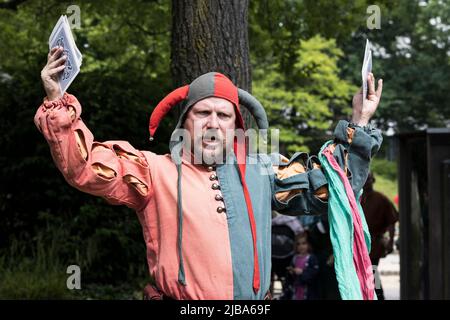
(381, 217)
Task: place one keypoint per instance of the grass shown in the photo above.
(42, 275)
(123, 291)
(386, 186)
(385, 177)
(39, 275)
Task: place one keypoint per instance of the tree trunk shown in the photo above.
(210, 35)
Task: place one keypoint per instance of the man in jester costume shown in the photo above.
(207, 225)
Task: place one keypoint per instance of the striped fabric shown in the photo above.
(348, 232)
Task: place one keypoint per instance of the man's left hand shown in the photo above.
(362, 112)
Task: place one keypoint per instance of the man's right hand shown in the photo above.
(50, 72)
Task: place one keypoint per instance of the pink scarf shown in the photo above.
(361, 258)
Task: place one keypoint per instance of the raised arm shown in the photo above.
(113, 170)
(300, 184)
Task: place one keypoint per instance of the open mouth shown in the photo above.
(211, 140)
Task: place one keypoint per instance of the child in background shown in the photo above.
(304, 270)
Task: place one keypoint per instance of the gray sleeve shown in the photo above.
(365, 143)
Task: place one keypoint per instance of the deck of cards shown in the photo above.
(62, 36)
(366, 68)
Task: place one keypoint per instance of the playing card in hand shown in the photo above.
(366, 68)
(62, 36)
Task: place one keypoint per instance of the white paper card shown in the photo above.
(62, 36)
(366, 68)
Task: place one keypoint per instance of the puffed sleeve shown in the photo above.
(113, 170)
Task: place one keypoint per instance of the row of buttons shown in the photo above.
(216, 186)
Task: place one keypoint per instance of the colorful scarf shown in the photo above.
(349, 233)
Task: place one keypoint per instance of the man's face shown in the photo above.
(207, 123)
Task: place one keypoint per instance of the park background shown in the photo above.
(302, 59)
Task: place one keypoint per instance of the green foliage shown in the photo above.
(306, 60)
(416, 76)
(125, 72)
(308, 101)
(387, 169)
(386, 186)
(412, 56)
(122, 291)
(386, 180)
(40, 275)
